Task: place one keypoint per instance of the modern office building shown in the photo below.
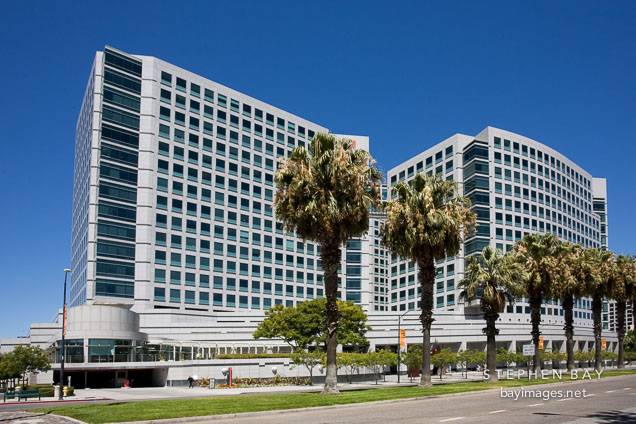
(517, 186)
(176, 254)
(173, 190)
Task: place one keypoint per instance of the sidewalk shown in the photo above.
(147, 393)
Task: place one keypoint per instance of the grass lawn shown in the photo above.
(147, 410)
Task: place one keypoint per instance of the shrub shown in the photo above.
(583, 356)
(46, 390)
(611, 356)
(252, 355)
(277, 380)
(204, 382)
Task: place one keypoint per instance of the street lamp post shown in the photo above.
(66, 271)
(399, 342)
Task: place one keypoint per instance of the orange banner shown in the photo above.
(64, 321)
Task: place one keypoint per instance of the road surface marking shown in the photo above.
(536, 404)
(563, 400)
(451, 419)
(610, 391)
(497, 411)
(590, 395)
(627, 388)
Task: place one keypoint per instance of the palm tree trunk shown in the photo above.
(597, 308)
(331, 257)
(427, 281)
(621, 305)
(491, 346)
(568, 306)
(535, 319)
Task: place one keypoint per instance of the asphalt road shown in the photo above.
(610, 400)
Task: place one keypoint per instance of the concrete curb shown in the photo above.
(317, 408)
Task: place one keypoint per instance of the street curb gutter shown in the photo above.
(317, 408)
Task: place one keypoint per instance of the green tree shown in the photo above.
(325, 194)
(624, 288)
(564, 268)
(413, 358)
(532, 252)
(309, 360)
(378, 360)
(463, 358)
(581, 356)
(424, 223)
(495, 279)
(608, 356)
(599, 284)
(558, 357)
(351, 362)
(305, 326)
(444, 358)
(506, 357)
(284, 323)
(518, 359)
(28, 359)
(9, 368)
(478, 357)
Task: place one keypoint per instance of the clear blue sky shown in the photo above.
(408, 74)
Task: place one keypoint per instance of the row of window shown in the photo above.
(419, 167)
(255, 255)
(553, 200)
(541, 156)
(234, 105)
(538, 169)
(538, 183)
(189, 297)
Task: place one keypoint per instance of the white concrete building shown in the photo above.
(176, 254)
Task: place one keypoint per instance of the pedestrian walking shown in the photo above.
(191, 381)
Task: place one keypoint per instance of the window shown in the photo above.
(166, 78)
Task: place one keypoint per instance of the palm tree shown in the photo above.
(325, 195)
(426, 223)
(495, 279)
(563, 268)
(532, 252)
(599, 284)
(624, 276)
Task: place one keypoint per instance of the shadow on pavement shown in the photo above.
(611, 417)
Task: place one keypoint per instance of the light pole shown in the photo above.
(399, 342)
(66, 271)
